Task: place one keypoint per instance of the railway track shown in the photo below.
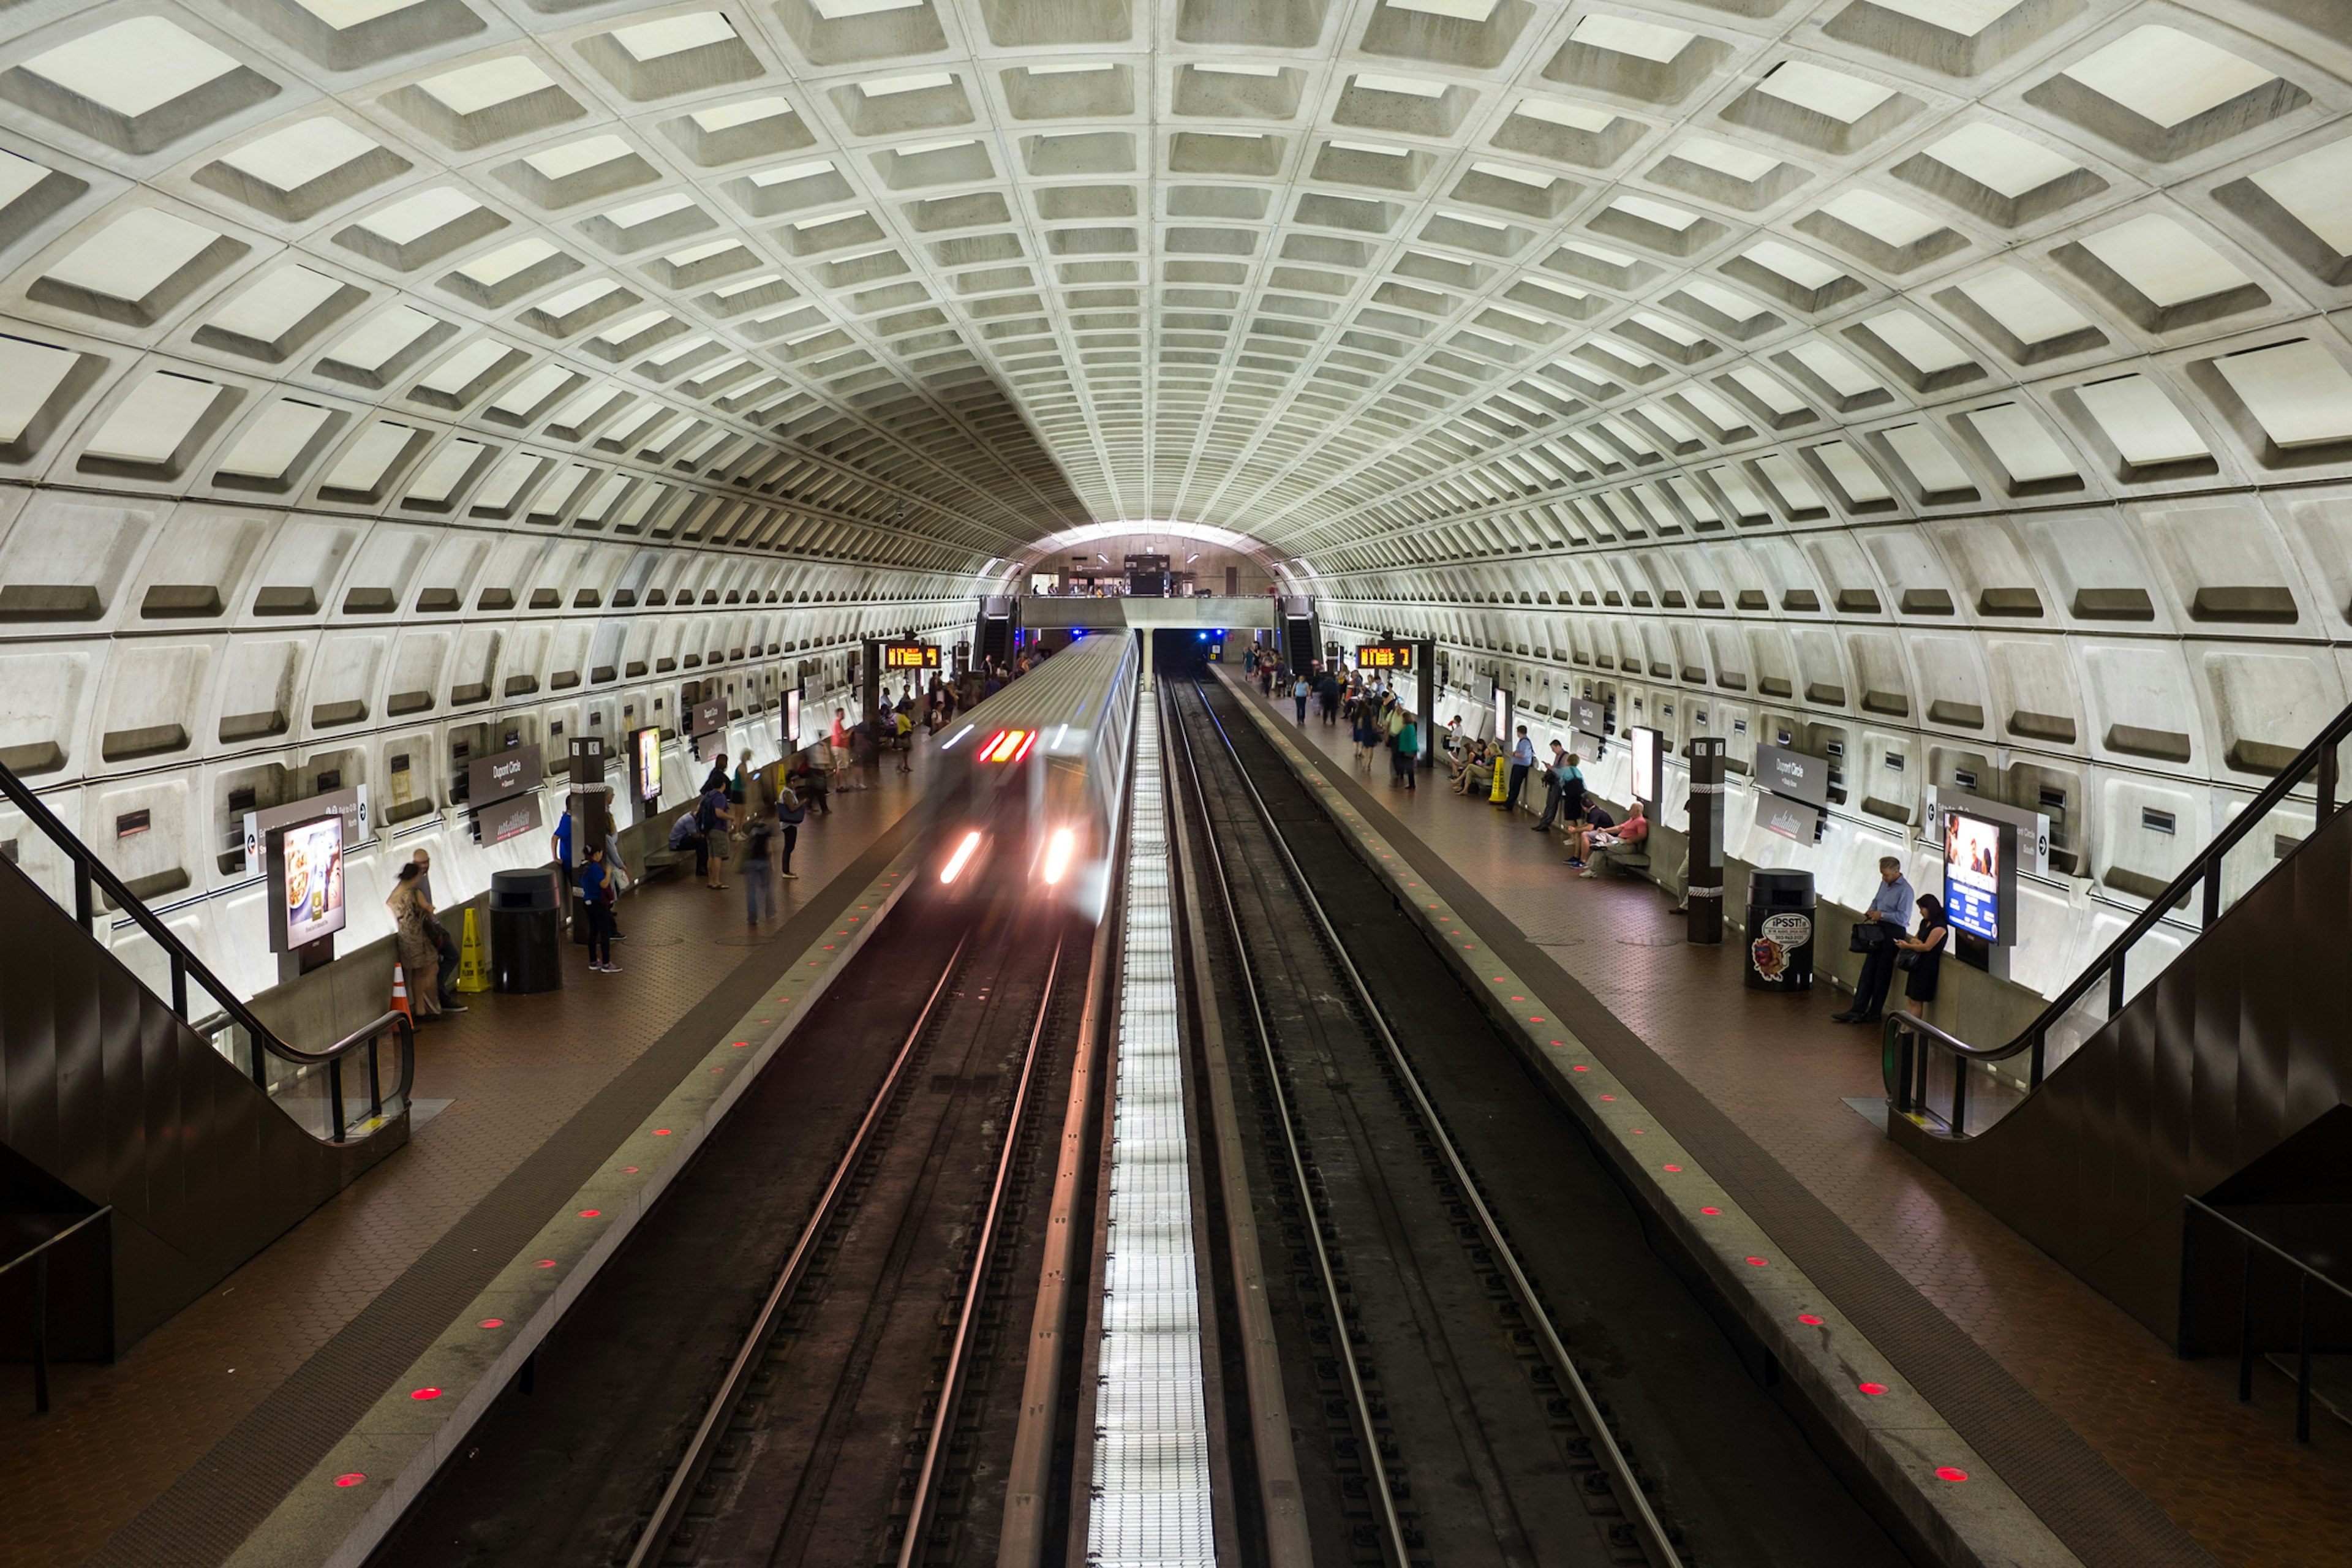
(1459, 1430)
(838, 1433)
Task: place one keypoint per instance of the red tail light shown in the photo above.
(1008, 746)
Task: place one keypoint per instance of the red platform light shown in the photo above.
(1757, 1262)
(1710, 1209)
(423, 1395)
(352, 1479)
(1951, 1473)
(493, 1322)
(590, 1213)
(1578, 1067)
(544, 1263)
(1811, 1320)
(1873, 1389)
(1674, 1168)
(661, 1131)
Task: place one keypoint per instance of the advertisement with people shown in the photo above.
(1972, 875)
(311, 892)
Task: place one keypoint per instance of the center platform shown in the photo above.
(286, 1418)
(2128, 1455)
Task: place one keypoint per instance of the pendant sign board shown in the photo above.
(494, 777)
(709, 717)
(505, 820)
(1649, 762)
(1791, 819)
(1981, 877)
(1794, 775)
(1590, 719)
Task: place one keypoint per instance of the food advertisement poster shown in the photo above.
(311, 893)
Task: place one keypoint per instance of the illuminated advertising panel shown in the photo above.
(792, 719)
(1502, 715)
(305, 865)
(648, 753)
(1649, 760)
(1979, 876)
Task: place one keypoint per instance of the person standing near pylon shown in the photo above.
(418, 956)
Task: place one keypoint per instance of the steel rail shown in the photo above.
(1646, 1523)
(1394, 1544)
(655, 1537)
(927, 1477)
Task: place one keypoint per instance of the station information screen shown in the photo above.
(910, 656)
(1384, 656)
(1979, 875)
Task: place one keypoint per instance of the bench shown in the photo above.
(661, 860)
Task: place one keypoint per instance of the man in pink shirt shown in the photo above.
(1630, 838)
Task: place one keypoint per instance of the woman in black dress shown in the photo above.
(1927, 953)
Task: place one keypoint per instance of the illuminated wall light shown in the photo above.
(961, 857)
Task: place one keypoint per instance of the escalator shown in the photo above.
(2187, 1102)
(195, 1132)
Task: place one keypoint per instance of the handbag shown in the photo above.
(1906, 961)
(1866, 936)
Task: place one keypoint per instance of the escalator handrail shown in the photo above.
(88, 862)
(2315, 758)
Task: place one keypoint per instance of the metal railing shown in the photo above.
(288, 1074)
(38, 1257)
(2246, 851)
(2256, 1247)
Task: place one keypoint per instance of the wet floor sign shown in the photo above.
(473, 963)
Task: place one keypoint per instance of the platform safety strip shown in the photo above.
(1151, 1477)
(1946, 1490)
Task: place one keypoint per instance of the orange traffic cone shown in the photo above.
(400, 991)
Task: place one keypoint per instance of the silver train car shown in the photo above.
(1031, 783)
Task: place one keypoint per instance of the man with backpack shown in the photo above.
(712, 818)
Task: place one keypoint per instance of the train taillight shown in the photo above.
(1008, 745)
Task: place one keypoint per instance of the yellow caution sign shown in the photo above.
(1502, 783)
(473, 963)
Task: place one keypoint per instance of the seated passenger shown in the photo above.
(1581, 830)
(1630, 838)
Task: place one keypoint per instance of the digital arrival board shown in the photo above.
(1384, 656)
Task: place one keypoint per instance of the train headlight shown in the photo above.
(1059, 851)
(961, 857)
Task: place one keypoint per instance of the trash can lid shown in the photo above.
(1780, 885)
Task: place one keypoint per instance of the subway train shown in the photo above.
(1029, 785)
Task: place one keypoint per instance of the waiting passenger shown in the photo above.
(596, 904)
(1523, 760)
(1925, 953)
(1596, 818)
(1408, 752)
(806, 779)
(1555, 774)
(1630, 838)
(420, 960)
(712, 818)
(758, 889)
(839, 742)
(687, 834)
(1888, 916)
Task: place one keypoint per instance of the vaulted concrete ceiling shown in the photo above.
(972, 270)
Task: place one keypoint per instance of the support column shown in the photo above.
(1704, 888)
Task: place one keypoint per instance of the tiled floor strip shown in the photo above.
(1151, 1456)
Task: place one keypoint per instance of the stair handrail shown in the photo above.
(89, 871)
(2317, 758)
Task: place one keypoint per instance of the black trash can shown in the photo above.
(1780, 930)
(526, 931)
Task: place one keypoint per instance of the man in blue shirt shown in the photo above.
(1888, 916)
(1523, 757)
